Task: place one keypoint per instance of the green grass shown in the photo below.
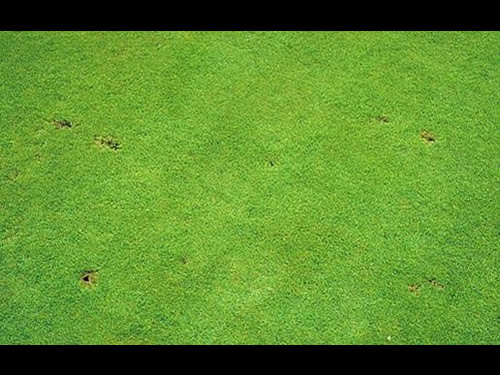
(255, 197)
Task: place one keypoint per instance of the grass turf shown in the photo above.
(257, 194)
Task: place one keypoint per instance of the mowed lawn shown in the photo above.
(249, 188)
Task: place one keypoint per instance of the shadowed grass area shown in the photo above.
(249, 187)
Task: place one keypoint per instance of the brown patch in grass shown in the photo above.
(108, 142)
(428, 137)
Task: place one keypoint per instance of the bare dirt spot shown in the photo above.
(414, 288)
(428, 137)
(62, 123)
(89, 278)
(436, 284)
(108, 142)
(383, 118)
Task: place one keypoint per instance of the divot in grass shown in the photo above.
(62, 123)
(414, 288)
(428, 137)
(436, 284)
(383, 118)
(108, 142)
(89, 278)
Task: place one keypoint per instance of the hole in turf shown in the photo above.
(108, 142)
(89, 278)
(428, 137)
(271, 163)
(383, 118)
(436, 284)
(414, 288)
(62, 123)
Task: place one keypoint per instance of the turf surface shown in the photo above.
(249, 188)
